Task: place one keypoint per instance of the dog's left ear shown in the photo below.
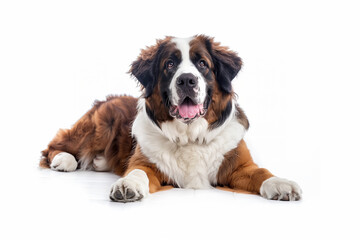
(227, 64)
(144, 67)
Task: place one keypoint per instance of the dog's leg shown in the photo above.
(99, 140)
(100, 164)
(63, 150)
(238, 171)
(133, 187)
(63, 162)
(136, 184)
(140, 179)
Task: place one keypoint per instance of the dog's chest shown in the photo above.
(191, 165)
(189, 155)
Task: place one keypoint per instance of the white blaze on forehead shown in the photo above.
(186, 66)
(183, 44)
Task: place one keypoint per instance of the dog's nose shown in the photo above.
(187, 80)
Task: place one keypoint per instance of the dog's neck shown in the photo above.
(197, 132)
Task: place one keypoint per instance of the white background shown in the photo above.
(298, 86)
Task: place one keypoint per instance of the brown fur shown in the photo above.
(105, 129)
(218, 103)
(156, 105)
(157, 180)
(238, 171)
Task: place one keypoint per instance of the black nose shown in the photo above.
(187, 80)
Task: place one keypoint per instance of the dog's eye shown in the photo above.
(202, 64)
(170, 64)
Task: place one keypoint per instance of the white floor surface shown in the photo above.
(45, 204)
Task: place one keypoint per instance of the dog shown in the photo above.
(186, 130)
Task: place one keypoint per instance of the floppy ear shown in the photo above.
(144, 67)
(227, 64)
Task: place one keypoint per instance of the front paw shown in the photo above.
(133, 187)
(276, 188)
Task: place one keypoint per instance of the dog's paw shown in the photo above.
(64, 162)
(276, 188)
(100, 164)
(133, 187)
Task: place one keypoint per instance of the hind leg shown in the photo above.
(61, 152)
(58, 161)
(103, 131)
(100, 164)
(68, 145)
(64, 162)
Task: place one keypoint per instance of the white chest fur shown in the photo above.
(191, 154)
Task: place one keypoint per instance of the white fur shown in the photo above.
(64, 162)
(137, 181)
(186, 66)
(100, 164)
(86, 161)
(279, 188)
(191, 154)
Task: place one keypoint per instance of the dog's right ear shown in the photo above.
(144, 67)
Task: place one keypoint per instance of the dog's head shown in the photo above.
(185, 79)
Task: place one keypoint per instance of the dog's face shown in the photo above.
(180, 77)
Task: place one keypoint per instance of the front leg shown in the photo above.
(140, 179)
(276, 188)
(239, 172)
(133, 187)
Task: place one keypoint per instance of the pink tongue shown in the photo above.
(189, 110)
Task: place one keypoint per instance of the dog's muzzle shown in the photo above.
(188, 107)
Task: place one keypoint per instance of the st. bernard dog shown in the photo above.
(186, 130)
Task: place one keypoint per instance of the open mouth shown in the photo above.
(188, 110)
